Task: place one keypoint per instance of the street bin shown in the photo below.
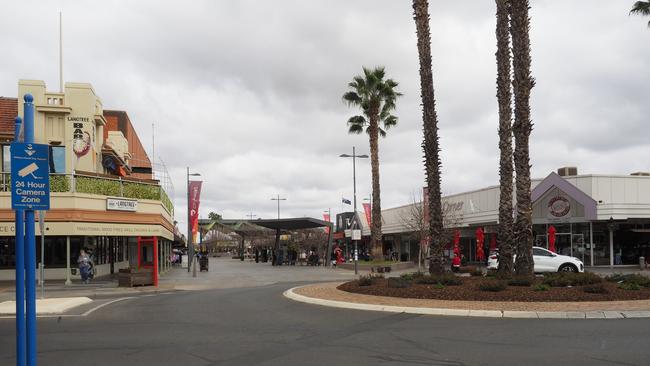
(642, 263)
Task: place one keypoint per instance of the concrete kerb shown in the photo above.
(291, 294)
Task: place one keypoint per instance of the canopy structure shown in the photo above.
(298, 223)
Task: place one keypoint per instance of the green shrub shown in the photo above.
(630, 286)
(564, 279)
(491, 273)
(476, 273)
(541, 287)
(598, 288)
(369, 280)
(97, 186)
(59, 183)
(412, 276)
(637, 279)
(523, 281)
(492, 286)
(447, 279)
(398, 282)
(141, 191)
(438, 286)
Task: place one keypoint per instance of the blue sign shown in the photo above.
(30, 176)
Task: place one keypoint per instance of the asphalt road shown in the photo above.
(258, 326)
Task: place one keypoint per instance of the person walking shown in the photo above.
(84, 265)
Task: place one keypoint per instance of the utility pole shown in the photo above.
(278, 199)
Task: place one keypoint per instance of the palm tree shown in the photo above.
(522, 83)
(504, 98)
(376, 97)
(430, 145)
(641, 8)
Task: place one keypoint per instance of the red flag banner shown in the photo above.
(326, 217)
(366, 209)
(195, 200)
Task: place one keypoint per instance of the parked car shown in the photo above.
(545, 261)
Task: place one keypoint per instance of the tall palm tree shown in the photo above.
(522, 83)
(430, 145)
(641, 8)
(504, 98)
(376, 97)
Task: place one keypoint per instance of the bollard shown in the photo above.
(642, 263)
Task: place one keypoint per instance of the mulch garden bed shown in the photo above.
(469, 290)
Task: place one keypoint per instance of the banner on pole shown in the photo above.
(326, 217)
(195, 200)
(366, 209)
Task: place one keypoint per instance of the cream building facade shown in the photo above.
(91, 206)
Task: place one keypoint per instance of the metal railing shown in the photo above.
(115, 187)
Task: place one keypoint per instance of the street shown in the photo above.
(257, 326)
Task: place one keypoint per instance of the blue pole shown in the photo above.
(20, 274)
(30, 251)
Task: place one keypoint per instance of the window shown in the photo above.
(541, 252)
(6, 159)
(57, 159)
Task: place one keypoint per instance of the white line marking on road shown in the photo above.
(105, 304)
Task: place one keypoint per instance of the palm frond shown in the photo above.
(382, 133)
(390, 121)
(641, 8)
(355, 129)
(357, 120)
(352, 98)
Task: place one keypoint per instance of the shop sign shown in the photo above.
(356, 234)
(559, 206)
(118, 204)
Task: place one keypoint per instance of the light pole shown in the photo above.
(354, 157)
(190, 245)
(278, 199)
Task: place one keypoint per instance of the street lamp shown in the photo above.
(354, 157)
(278, 199)
(191, 262)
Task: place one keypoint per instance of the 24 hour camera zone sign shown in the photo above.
(30, 179)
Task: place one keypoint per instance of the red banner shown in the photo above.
(366, 209)
(195, 200)
(326, 217)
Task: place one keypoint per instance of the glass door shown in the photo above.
(563, 244)
(578, 247)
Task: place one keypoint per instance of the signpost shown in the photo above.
(30, 190)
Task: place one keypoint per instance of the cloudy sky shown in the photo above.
(248, 93)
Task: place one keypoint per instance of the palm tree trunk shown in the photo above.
(430, 145)
(522, 84)
(504, 97)
(375, 228)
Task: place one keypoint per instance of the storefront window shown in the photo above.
(6, 159)
(7, 252)
(57, 159)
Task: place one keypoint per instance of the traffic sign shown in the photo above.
(30, 178)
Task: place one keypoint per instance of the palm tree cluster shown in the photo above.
(376, 98)
(641, 8)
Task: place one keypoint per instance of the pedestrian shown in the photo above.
(84, 265)
(257, 255)
(455, 264)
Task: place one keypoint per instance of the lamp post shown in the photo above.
(190, 246)
(354, 157)
(611, 225)
(278, 199)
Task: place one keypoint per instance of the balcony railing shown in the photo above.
(115, 187)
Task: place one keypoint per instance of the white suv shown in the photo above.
(545, 261)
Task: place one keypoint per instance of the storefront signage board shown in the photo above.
(118, 204)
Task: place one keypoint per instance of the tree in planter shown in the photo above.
(376, 97)
(430, 145)
(522, 83)
(641, 8)
(504, 98)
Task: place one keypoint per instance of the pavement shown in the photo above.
(47, 306)
(235, 314)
